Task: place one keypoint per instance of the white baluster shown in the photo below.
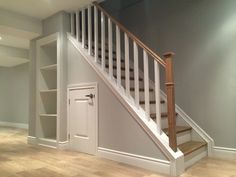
(83, 28)
(146, 83)
(136, 75)
(95, 33)
(110, 48)
(103, 39)
(72, 24)
(77, 26)
(157, 93)
(89, 31)
(118, 56)
(127, 74)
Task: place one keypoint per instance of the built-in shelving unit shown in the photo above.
(47, 90)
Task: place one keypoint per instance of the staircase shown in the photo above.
(115, 52)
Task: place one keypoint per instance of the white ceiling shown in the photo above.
(42, 8)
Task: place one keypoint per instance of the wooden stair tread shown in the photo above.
(191, 146)
(106, 50)
(122, 68)
(163, 115)
(151, 101)
(141, 89)
(107, 58)
(179, 129)
(131, 78)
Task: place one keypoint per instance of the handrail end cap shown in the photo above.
(168, 54)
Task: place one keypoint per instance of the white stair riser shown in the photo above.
(142, 96)
(141, 84)
(107, 63)
(153, 108)
(179, 122)
(183, 137)
(195, 156)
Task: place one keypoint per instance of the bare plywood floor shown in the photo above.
(18, 159)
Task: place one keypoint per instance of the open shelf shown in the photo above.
(48, 80)
(48, 104)
(52, 67)
(48, 54)
(48, 128)
(48, 91)
(48, 115)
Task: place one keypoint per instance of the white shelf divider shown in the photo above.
(48, 115)
(48, 91)
(49, 67)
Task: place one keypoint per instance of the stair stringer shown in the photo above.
(187, 119)
(150, 127)
(194, 125)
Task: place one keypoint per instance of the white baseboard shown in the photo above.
(15, 125)
(224, 153)
(32, 140)
(63, 145)
(149, 163)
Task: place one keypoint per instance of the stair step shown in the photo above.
(99, 49)
(106, 50)
(122, 68)
(114, 58)
(152, 102)
(163, 115)
(179, 129)
(131, 78)
(141, 89)
(191, 146)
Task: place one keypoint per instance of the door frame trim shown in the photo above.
(71, 87)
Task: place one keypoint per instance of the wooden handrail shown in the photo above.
(170, 92)
(132, 36)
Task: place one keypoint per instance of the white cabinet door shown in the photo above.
(82, 120)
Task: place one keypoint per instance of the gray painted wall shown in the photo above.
(203, 35)
(14, 94)
(117, 129)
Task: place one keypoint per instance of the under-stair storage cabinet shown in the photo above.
(48, 61)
